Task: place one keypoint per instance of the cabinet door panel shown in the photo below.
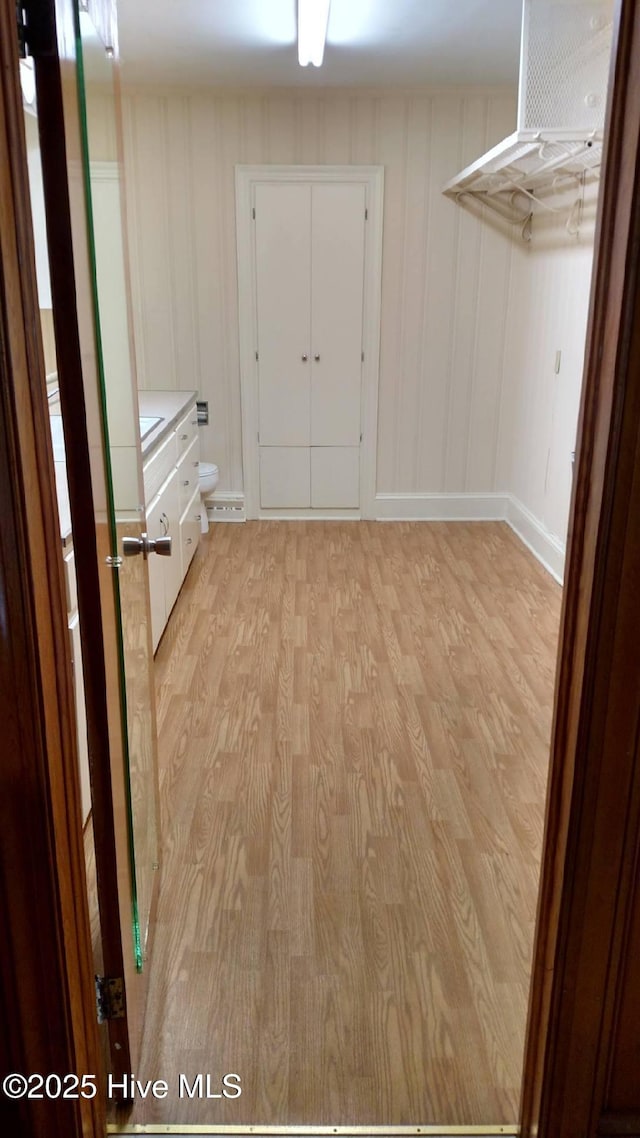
(284, 477)
(335, 477)
(173, 564)
(283, 282)
(188, 481)
(158, 468)
(187, 431)
(156, 528)
(190, 531)
(337, 268)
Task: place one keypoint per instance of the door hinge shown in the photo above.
(36, 28)
(362, 356)
(256, 355)
(361, 436)
(366, 214)
(258, 437)
(253, 213)
(109, 997)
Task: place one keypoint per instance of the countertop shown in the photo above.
(169, 406)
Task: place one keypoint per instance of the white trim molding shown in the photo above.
(549, 550)
(441, 507)
(305, 514)
(247, 177)
(225, 506)
(545, 546)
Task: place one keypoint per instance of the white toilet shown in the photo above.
(208, 475)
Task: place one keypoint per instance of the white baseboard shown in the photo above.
(303, 514)
(549, 550)
(226, 506)
(441, 507)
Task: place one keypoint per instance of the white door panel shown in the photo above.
(283, 282)
(337, 284)
(335, 477)
(284, 477)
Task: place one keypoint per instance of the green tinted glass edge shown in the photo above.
(84, 133)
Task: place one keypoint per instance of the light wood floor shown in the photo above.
(354, 722)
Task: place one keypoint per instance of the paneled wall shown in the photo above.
(445, 273)
(547, 314)
(470, 403)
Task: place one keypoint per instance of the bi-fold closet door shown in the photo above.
(309, 247)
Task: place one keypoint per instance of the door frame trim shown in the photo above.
(46, 966)
(247, 177)
(591, 852)
(498, 1130)
(603, 422)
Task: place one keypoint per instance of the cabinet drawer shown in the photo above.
(190, 531)
(187, 430)
(165, 573)
(158, 526)
(188, 474)
(158, 467)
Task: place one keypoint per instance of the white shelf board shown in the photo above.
(533, 160)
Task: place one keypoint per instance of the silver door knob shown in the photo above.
(317, 358)
(132, 546)
(304, 359)
(161, 546)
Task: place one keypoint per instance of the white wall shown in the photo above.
(548, 308)
(445, 273)
(471, 317)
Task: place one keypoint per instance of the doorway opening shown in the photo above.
(334, 813)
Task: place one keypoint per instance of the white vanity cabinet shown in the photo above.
(190, 502)
(172, 501)
(165, 576)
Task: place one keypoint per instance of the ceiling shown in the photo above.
(369, 43)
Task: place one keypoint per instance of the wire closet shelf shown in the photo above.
(564, 66)
(527, 167)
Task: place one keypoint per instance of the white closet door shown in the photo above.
(337, 284)
(283, 279)
(284, 477)
(335, 477)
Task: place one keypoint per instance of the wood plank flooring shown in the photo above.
(354, 723)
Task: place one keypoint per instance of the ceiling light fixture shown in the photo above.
(313, 17)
